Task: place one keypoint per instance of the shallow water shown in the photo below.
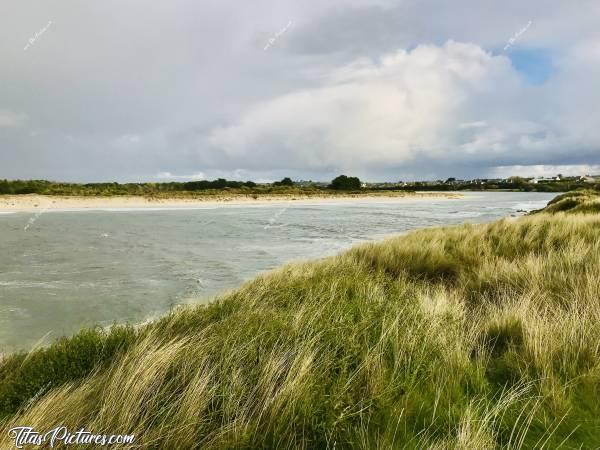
(60, 271)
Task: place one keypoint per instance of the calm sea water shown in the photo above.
(60, 270)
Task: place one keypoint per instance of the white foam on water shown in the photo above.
(530, 206)
(104, 209)
(133, 209)
(32, 284)
(464, 214)
(152, 208)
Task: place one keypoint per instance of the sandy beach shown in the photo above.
(33, 202)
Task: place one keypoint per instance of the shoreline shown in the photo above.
(36, 202)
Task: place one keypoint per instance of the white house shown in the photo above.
(544, 179)
(590, 178)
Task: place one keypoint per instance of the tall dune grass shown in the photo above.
(476, 336)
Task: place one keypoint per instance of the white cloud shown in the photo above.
(170, 176)
(12, 119)
(300, 108)
(423, 105)
(126, 141)
(479, 124)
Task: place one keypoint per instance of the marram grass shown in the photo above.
(468, 337)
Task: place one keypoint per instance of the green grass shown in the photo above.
(190, 189)
(476, 336)
(584, 201)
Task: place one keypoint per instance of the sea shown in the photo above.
(63, 270)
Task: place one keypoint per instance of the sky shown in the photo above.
(131, 90)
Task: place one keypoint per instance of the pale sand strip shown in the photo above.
(33, 202)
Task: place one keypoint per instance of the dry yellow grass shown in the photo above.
(477, 336)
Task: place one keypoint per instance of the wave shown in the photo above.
(529, 206)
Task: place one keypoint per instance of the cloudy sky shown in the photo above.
(132, 90)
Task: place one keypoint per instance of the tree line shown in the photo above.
(44, 187)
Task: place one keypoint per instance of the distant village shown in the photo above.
(556, 183)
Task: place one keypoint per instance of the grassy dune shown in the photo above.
(578, 202)
(476, 336)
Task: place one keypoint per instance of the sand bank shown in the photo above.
(45, 202)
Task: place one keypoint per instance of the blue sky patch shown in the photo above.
(534, 64)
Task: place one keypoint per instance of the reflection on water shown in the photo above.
(70, 269)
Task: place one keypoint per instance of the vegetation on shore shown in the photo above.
(219, 189)
(43, 187)
(344, 183)
(475, 336)
(182, 189)
(576, 202)
(285, 187)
